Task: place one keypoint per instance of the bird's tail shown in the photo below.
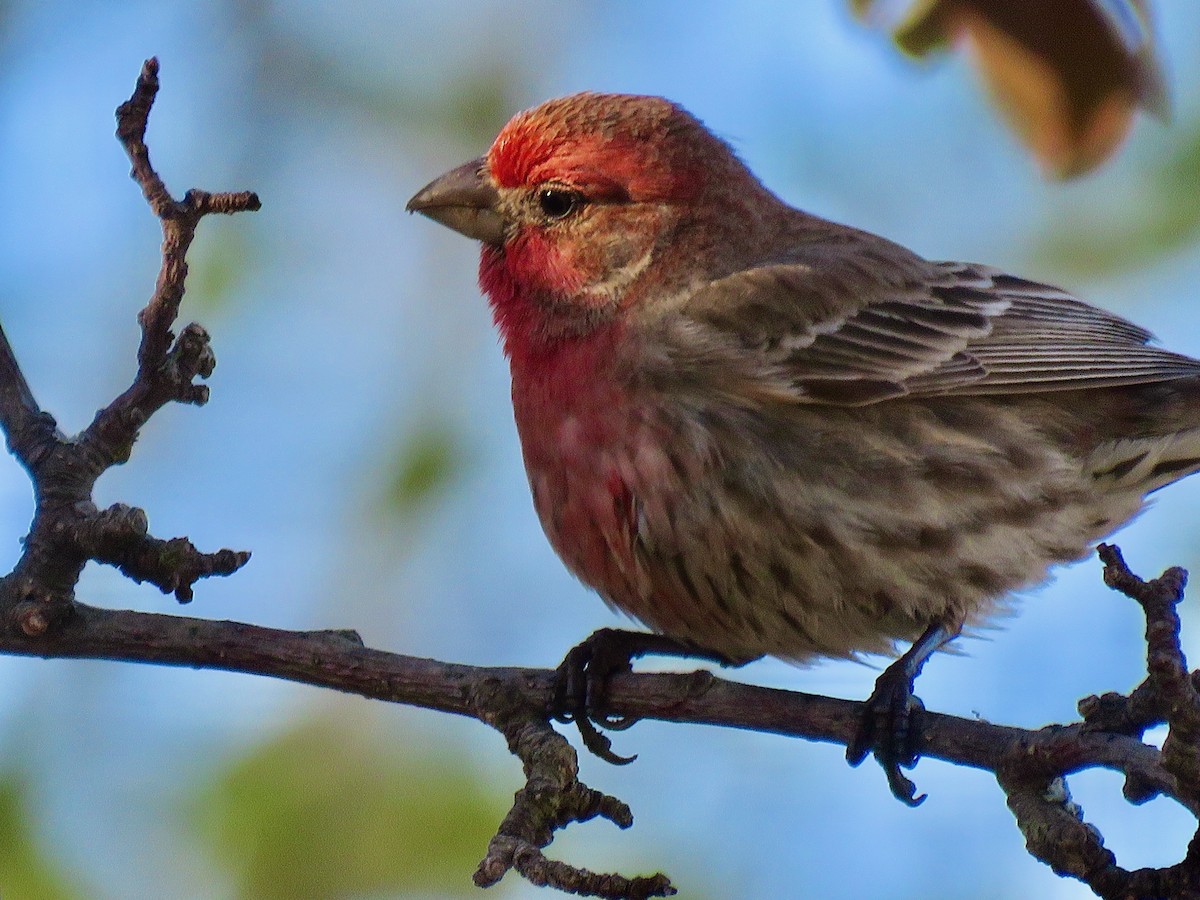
(1163, 444)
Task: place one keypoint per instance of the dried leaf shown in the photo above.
(1068, 74)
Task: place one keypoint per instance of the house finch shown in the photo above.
(762, 433)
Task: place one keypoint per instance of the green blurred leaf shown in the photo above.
(428, 462)
(216, 267)
(326, 811)
(468, 109)
(923, 29)
(1166, 219)
(26, 872)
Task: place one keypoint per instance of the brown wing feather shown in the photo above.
(839, 333)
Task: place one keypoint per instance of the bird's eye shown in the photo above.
(558, 202)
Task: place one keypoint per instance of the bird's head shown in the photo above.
(587, 206)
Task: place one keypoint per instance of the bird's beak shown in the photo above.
(463, 199)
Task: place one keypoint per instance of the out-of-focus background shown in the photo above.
(359, 441)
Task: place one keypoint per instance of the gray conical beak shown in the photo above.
(463, 199)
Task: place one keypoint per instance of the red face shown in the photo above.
(585, 202)
(574, 202)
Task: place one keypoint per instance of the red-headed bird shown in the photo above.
(763, 433)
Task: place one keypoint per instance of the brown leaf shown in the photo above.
(1069, 74)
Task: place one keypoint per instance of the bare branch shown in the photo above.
(1165, 663)
(519, 702)
(132, 118)
(67, 529)
(30, 431)
(166, 371)
(1033, 771)
(552, 799)
(118, 536)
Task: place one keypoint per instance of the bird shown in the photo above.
(759, 432)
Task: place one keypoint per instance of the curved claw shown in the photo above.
(902, 788)
(890, 725)
(889, 729)
(617, 723)
(599, 744)
(579, 691)
(582, 681)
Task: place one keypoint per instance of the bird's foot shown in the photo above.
(581, 682)
(890, 728)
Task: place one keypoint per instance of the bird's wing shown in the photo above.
(847, 335)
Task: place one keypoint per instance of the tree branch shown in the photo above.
(68, 529)
(518, 702)
(39, 616)
(29, 431)
(165, 372)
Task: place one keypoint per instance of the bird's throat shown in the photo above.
(542, 328)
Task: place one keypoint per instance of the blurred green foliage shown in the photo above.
(216, 266)
(1165, 219)
(328, 810)
(26, 873)
(466, 108)
(425, 465)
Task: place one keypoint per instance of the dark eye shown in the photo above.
(558, 202)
